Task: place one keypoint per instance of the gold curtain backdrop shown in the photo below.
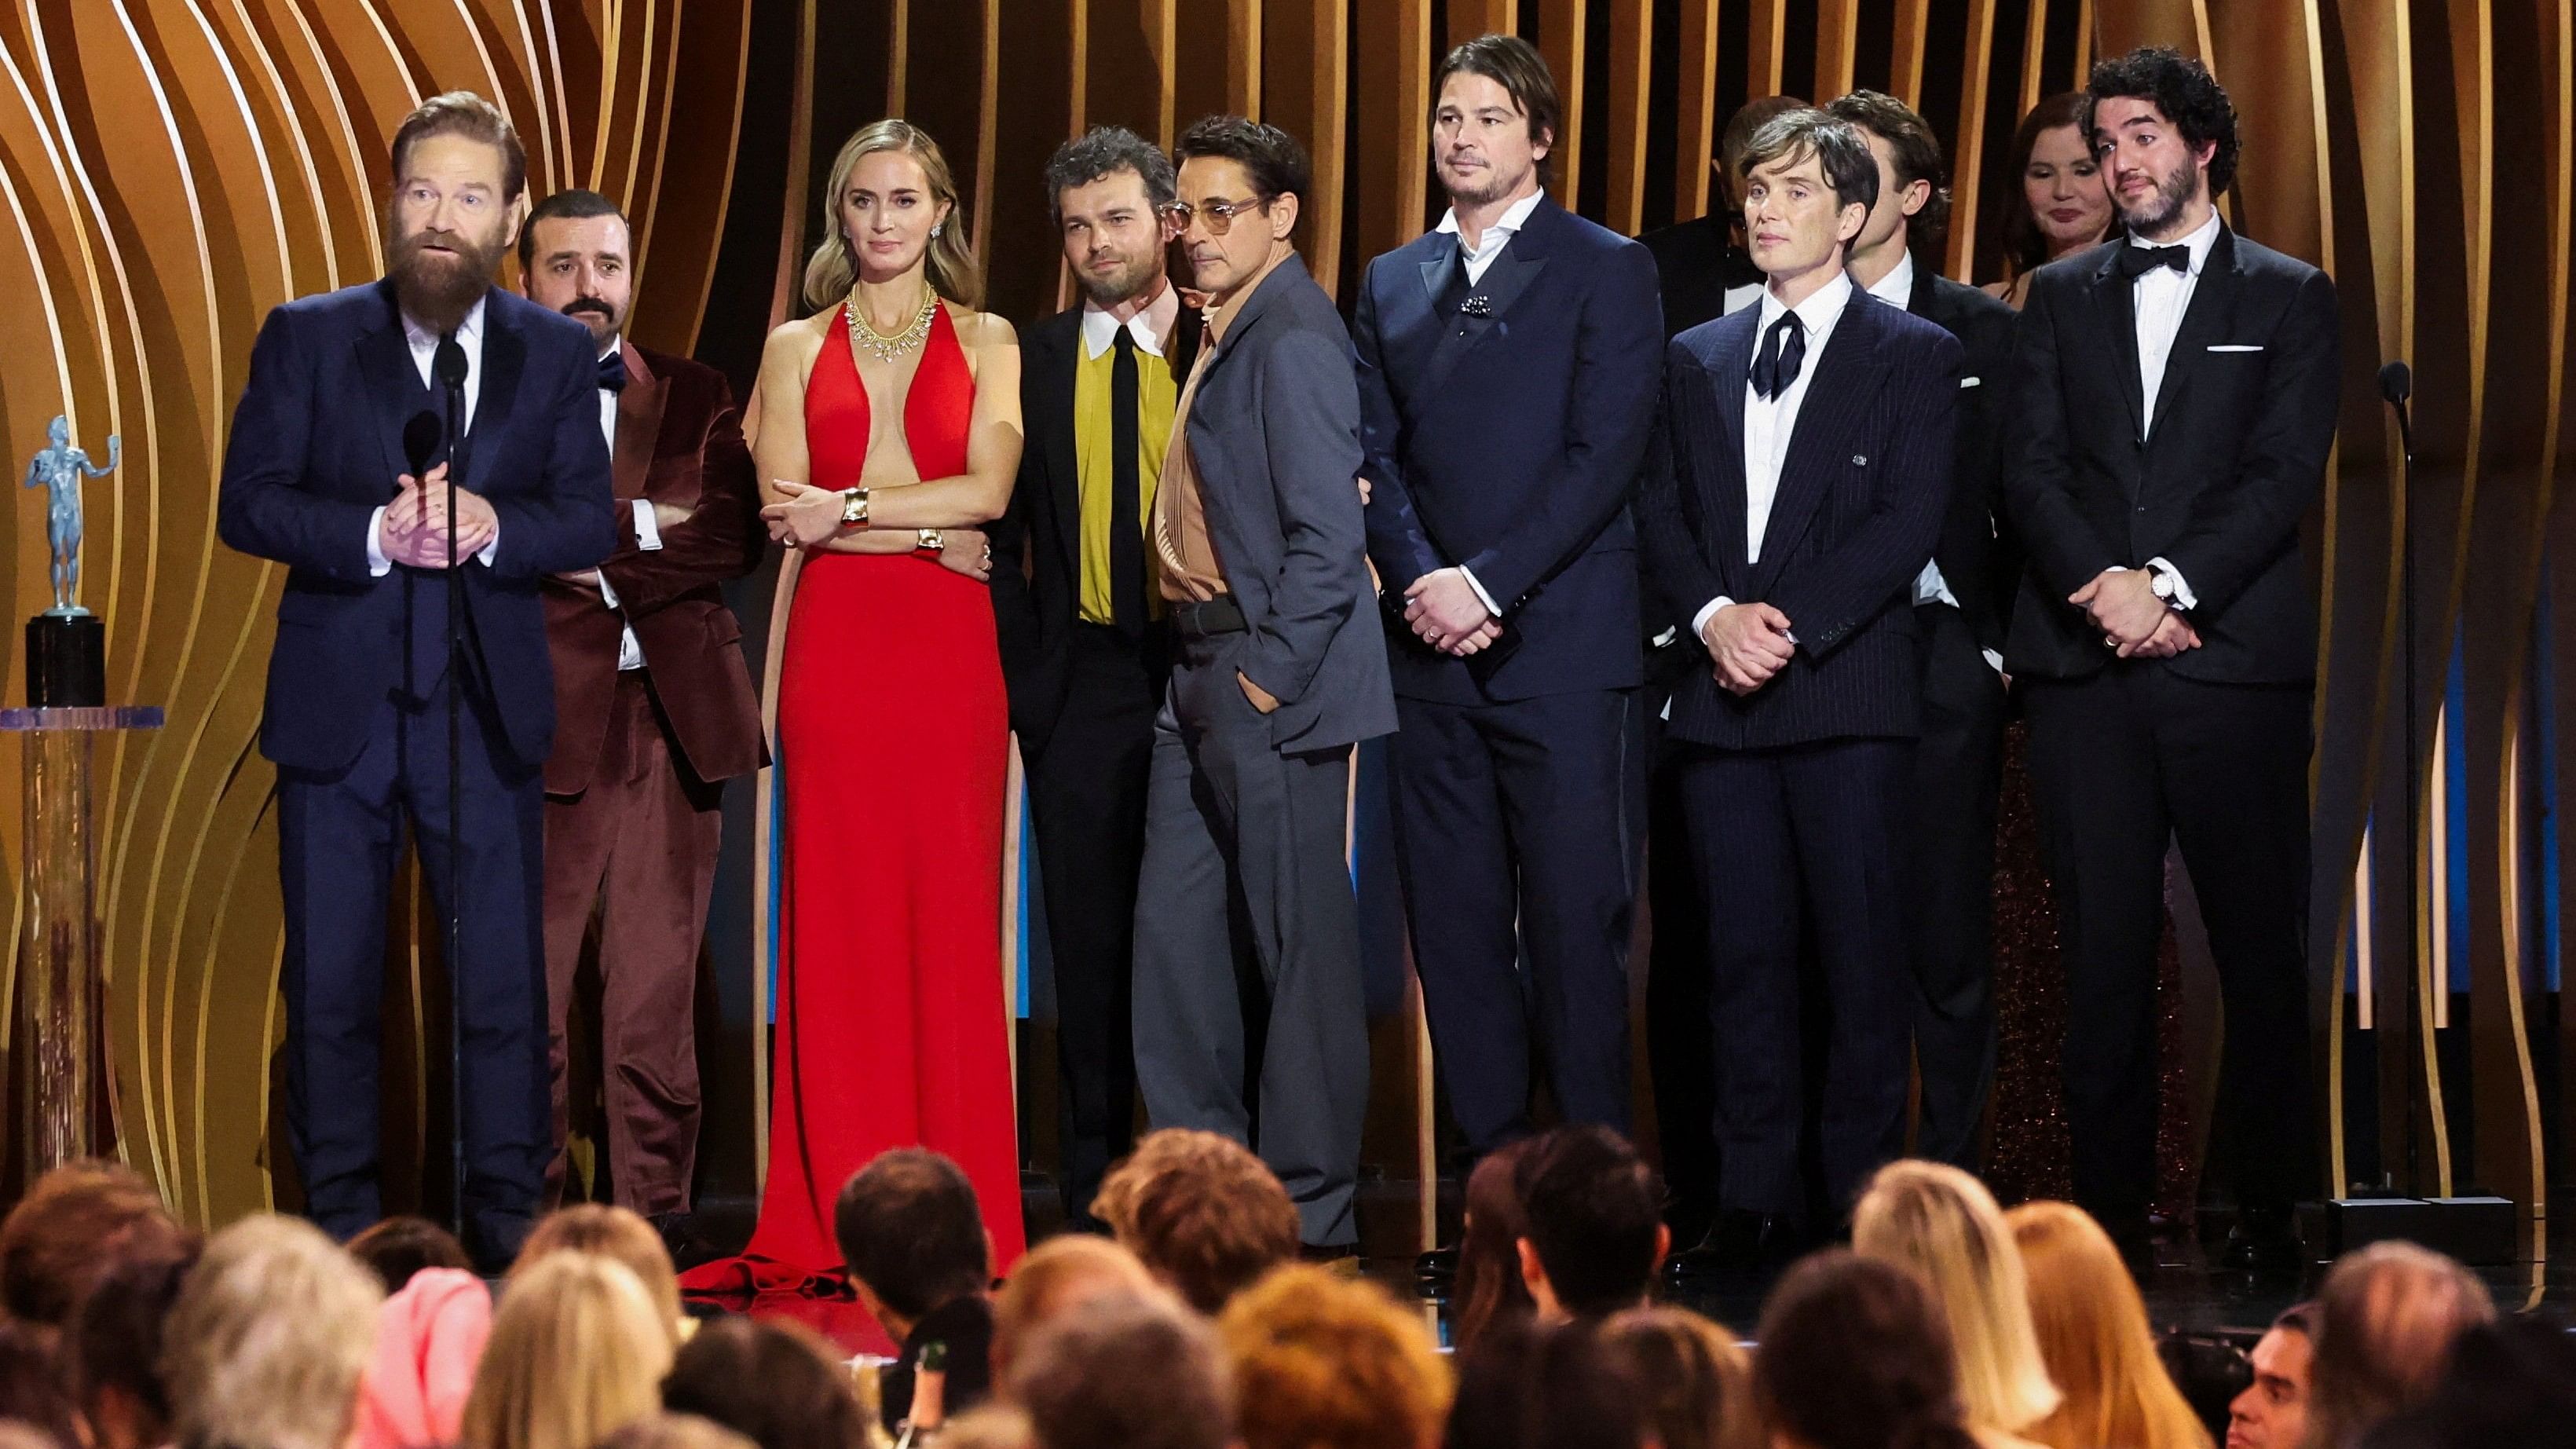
(173, 168)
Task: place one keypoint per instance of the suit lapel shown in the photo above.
(1056, 358)
(1727, 367)
(2115, 304)
(2213, 305)
(505, 356)
(1492, 297)
(1845, 381)
(393, 383)
(639, 426)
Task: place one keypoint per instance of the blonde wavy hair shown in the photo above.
(950, 262)
(2094, 1337)
(267, 1340)
(1944, 1225)
(1318, 1358)
(614, 1233)
(578, 1351)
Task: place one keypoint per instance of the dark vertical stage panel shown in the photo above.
(1996, 187)
(1663, 110)
(1595, 134)
(943, 91)
(1874, 48)
(853, 68)
(1123, 84)
(1798, 44)
(1033, 116)
(705, 150)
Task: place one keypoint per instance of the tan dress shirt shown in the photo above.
(1190, 572)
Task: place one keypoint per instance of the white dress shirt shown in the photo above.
(424, 349)
(648, 535)
(1480, 259)
(1148, 327)
(1769, 423)
(2158, 301)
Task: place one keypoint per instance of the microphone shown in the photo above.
(2397, 385)
(420, 440)
(448, 366)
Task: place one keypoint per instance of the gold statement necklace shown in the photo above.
(886, 347)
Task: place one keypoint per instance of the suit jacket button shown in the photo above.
(1860, 460)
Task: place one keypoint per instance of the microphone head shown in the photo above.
(420, 440)
(2396, 382)
(448, 366)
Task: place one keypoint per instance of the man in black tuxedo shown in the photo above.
(316, 477)
(1960, 603)
(1508, 361)
(1800, 471)
(1085, 648)
(2174, 398)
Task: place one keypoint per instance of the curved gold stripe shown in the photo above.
(206, 996)
(705, 283)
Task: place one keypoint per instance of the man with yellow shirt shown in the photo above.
(1078, 604)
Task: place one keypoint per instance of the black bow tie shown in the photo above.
(2136, 261)
(1784, 347)
(612, 371)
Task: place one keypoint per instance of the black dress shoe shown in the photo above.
(1742, 1243)
(687, 1250)
(2265, 1242)
(1440, 1265)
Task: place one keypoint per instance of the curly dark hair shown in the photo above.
(1103, 152)
(2184, 91)
(1270, 157)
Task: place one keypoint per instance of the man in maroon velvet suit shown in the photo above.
(655, 711)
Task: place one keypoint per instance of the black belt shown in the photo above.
(1220, 615)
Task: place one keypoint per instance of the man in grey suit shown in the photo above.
(1247, 994)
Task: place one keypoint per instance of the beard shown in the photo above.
(2164, 204)
(1481, 187)
(1133, 277)
(437, 290)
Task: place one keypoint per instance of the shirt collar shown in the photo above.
(1896, 289)
(1514, 217)
(1816, 314)
(1149, 327)
(468, 331)
(2200, 241)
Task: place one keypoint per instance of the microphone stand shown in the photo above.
(451, 372)
(2396, 385)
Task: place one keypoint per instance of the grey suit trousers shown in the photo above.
(1249, 1016)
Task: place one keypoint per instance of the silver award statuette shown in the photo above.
(58, 470)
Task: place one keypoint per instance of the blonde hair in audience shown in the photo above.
(611, 1232)
(1056, 1275)
(265, 1345)
(578, 1351)
(667, 1430)
(949, 263)
(1943, 1224)
(1318, 1358)
(1697, 1378)
(2094, 1336)
(990, 1426)
(1206, 1215)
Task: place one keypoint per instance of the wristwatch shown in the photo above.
(854, 508)
(928, 540)
(2161, 582)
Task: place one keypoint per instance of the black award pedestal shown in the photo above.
(66, 661)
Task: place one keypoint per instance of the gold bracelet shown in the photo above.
(928, 539)
(854, 508)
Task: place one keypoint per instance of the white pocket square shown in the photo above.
(2235, 347)
(1970, 381)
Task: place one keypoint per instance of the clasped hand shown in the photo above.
(414, 530)
(1748, 643)
(2135, 624)
(804, 516)
(1444, 610)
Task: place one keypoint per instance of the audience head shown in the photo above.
(667, 1430)
(1913, 181)
(2386, 1319)
(2272, 1412)
(2164, 130)
(2095, 1340)
(1131, 1371)
(18, 1434)
(2065, 206)
(1495, 117)
(1533, 1385)
(990, 1426)
(577, 1352)
(243, 1375)
(615, 1233)
(1735, 139)
(32, 1391)
(1317, 1358)
(892, 206)
(577, 256)
(912, 1236)
(1594, 1228)
(1058, 1275)
(2512, 1381)
(1809, 182)
(398, 1247)
(1855, 1355)
(1489, 1282)
(1696, 1379)
(74, 1223)
(773, 1382)
(1943, 1224)
(1107, 190)
(429, 1348)
(112, 1348)
(1203, 1213)
(1241, 187)
(459, 177)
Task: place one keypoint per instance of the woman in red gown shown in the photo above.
(886, 429)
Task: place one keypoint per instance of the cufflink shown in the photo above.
(1477, 305)
(1860, 460)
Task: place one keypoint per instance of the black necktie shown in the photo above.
(612, 371)
(1126, 534)
(2136, 261)
(1784, 347)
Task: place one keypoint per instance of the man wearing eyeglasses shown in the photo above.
(1245, 921)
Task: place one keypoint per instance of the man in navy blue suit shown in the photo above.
(1507, 365)
(317, 476)
(1800, 471)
